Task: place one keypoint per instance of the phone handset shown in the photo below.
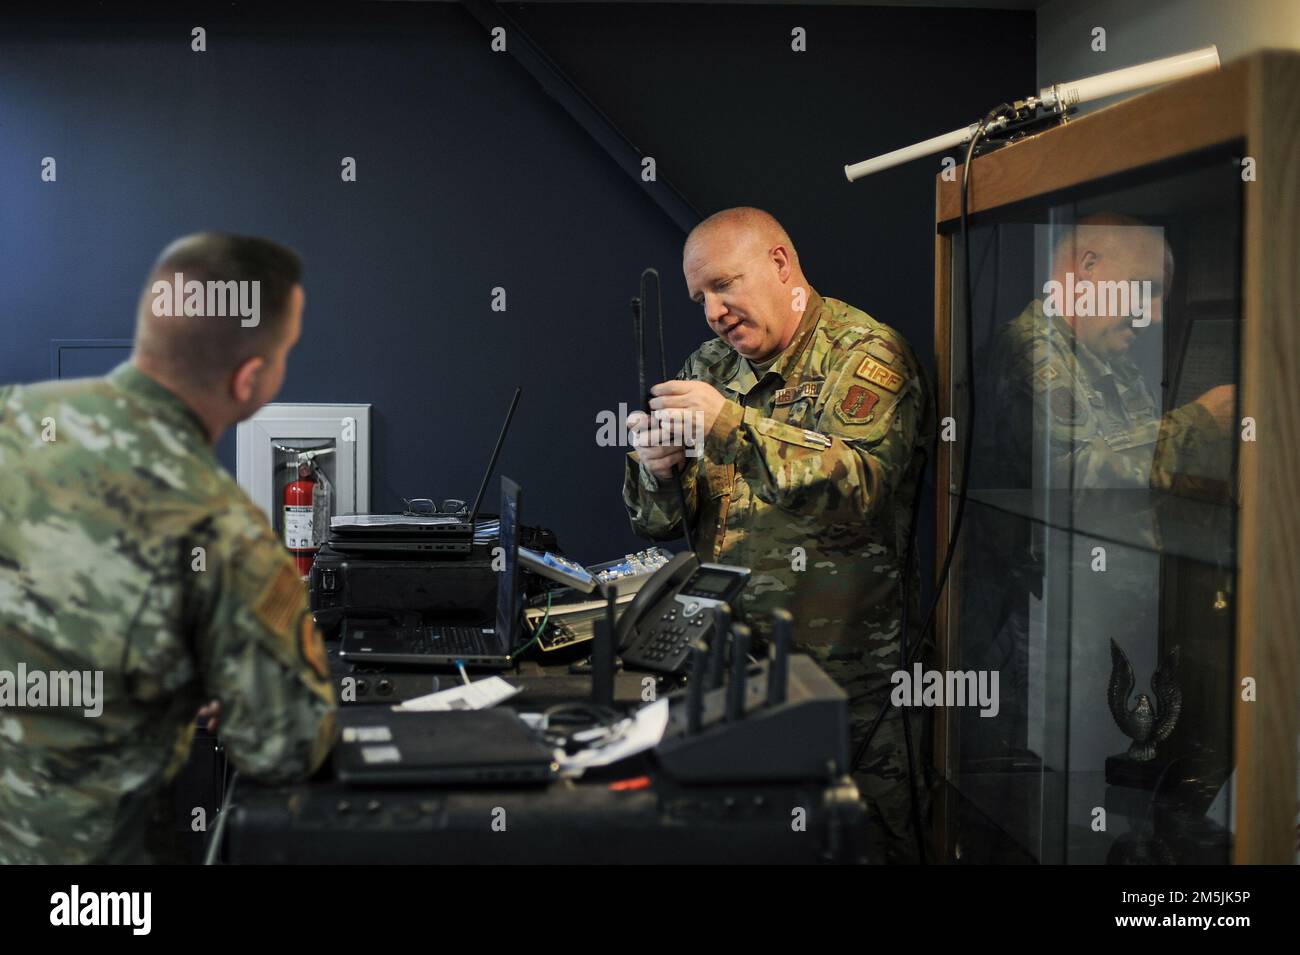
(667, 578)
(675, 608)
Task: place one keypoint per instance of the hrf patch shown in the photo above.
(879, 375)
(280, 599)
(809, 389)
(857, 403)
(310, 646)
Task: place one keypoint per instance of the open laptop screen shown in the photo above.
(507, 588)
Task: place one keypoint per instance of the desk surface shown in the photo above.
(325, 822)
(624, 813)
(543, 682)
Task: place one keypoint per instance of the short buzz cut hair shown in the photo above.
(207, 350)
(749, 220)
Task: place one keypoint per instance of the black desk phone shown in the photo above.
(674, 608)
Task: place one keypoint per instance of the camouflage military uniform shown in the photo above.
(1099, 417)
(99, 571)
(807, 477)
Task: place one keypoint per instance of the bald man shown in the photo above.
(132, 565)
(805, 420)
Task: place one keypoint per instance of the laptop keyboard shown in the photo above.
(444, 641)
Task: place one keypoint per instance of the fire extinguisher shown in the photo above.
(308, 505)
(298, 535)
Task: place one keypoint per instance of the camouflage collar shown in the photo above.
(742, 378)
(126, 377)
(803, 335)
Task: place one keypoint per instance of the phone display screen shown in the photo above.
(710, 584)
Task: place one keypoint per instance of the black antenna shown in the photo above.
(718, 645)
(695, 688)
(496, 453)
(638, 328)
(602, 652)
(659, 303)
(740, 636)
(778, 671)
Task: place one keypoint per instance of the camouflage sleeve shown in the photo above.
(1193, 457)
(869, 421)
(261, 655)
(653, 506)
(1182, 451)
(1081, 456)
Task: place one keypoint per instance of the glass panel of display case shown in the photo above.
(1097, 558)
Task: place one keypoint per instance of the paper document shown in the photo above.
(636, 734)
(478, 695)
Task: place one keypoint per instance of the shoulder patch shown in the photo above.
(876, 373)
(1045, 375)
(1061, 400)
(883, 350)
(857, 404)
(310, 646)
(280, 600)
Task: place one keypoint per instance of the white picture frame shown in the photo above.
(348, 425)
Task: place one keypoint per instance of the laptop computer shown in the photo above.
(489, 645)
(378, 746)
(415, 533)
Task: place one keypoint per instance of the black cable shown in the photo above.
(942, 578)
(219, 831)
(576, 717)
(970, 399)
(970, 368)
(903, 653)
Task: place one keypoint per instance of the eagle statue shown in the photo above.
(1144, 724)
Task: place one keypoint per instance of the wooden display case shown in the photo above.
(1207, 562)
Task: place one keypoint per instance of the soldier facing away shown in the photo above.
(126, 551)
(814, 418)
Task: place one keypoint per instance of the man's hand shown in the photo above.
(698, 401)
(212, 713)
(658, 444)
(1220, 402)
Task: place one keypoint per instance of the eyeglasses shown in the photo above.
(424, 505)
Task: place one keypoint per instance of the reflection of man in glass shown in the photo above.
(1090, 404)
(1068, 413)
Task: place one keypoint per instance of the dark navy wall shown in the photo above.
(469, 177)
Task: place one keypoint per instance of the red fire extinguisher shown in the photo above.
(298, 518)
